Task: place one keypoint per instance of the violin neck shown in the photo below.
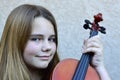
(83, 64)
(93, 33)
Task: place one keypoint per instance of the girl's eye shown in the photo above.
(35, 39)
(52, 39)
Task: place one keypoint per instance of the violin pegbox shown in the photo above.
(94, 25)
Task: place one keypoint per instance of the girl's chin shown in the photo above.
(42, 66)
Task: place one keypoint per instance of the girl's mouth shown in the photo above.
(44, 57)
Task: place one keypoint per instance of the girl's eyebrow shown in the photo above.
(40, 35)
(36, 35)
(52, 36)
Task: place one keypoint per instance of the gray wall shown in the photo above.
(70, 15)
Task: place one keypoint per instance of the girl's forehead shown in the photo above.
(41, 25)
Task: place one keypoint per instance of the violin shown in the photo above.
(73, 69)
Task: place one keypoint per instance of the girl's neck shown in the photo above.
(36, 74)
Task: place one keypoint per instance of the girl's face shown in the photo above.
(41, 46)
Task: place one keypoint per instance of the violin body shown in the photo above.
(65, 71)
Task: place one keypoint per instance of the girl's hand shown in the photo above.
(94, 45)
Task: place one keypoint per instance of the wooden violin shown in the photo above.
(72, 69)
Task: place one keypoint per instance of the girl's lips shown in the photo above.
(45, 57)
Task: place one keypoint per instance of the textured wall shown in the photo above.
(70, 15)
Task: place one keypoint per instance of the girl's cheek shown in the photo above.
(32, 48)
(55, 47)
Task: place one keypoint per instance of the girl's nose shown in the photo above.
(46, 46)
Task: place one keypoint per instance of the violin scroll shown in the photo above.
(95, 26)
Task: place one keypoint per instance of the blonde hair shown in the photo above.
(15, 35)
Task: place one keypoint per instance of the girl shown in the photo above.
(28, 47)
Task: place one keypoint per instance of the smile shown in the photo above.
(44, 57)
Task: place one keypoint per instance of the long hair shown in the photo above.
(16, 33)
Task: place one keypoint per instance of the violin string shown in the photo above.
(85, 67)
(82, 70)
(78, 67)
